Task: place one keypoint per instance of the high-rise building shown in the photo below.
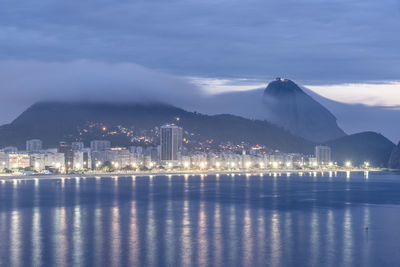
(100, 145)
(323, 154)
(171, 143)
(77, 146)
(66, 149)
(34, 145)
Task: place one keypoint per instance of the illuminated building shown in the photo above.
(19, 160)
(82, 159)
(3, 161)
(323, 154)
(66, 149)
(171, 144)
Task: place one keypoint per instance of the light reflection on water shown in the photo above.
(186, 253)
(247, 220)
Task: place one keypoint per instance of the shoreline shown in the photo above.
(7, 177)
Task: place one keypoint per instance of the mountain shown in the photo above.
(354, 118)
(61, 121)
(287, 105)
(283, 103)
(57, 121)
(394, 161)
(362, 147)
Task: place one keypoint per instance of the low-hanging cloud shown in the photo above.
(23, 83)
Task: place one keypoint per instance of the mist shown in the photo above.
(24, 83)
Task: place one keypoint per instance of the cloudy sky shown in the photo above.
(347, 50)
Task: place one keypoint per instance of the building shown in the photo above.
(34, 145)
(100, 145)
(82, 158)
(3, 161)
(54, 160)
(66, 149)
(77, 146)
(19, 160)
(10, 149)
(48, 159)
(153, 152)
(171, 144)
(119, 157)
(38, 161)
(323, 155)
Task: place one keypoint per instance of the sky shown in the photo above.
(346, 50)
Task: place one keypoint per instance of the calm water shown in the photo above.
(206, 221)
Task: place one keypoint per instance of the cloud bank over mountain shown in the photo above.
(24, 83)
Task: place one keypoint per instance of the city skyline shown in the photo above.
(200, 133)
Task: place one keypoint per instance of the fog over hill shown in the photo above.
(24, 83)
(352, 118)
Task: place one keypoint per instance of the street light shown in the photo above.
(203, 164)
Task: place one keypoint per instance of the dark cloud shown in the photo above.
(313, 41)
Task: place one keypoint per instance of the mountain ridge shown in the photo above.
(289, 106)
(64, 121)
(56, 121)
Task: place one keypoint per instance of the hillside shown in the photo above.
(394, 161)
(362, 147)
(56, 121)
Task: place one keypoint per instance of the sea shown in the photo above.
(270, 219)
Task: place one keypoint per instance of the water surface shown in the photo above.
(253, 220)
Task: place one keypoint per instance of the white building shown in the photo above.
(3, 161)
(19, 160)
(82, 159)
(119, 157)
(38, 161)
(48, 159)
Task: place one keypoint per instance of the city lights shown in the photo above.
(105, 158)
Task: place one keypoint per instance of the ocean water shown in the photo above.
(241, 220)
